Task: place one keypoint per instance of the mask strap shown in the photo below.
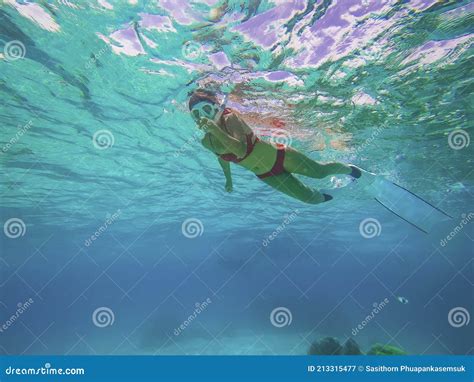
(221, 108)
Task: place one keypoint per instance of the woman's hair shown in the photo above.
(199, 95)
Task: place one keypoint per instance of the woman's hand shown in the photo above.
(228, 186)
(207, 125)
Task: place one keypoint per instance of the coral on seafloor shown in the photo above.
(331, 346)
(327, 346)
(379, 349)
(351, 348)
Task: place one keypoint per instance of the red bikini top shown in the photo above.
(250, 144)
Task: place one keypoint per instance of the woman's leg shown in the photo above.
(298, 163)
(291, 186)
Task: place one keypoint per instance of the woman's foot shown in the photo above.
(318, 198)
(327, 197)
(355, 173)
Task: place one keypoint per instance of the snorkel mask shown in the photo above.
(209, 110)
(204, 109)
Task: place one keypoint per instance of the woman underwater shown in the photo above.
(232, 140)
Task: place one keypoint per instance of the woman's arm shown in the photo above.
(228, 175)
(206, 142)
(231, 144)
(234, 121)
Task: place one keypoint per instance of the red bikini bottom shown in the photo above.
(277, 168)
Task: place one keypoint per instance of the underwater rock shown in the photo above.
(351, 348)
(327, 346)
(379, 349)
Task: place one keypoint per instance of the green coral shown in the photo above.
(379, 349)
(331, 346)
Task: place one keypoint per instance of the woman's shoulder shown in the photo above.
(228, 111)
(233, 117)
(234, 124)
(230, 115)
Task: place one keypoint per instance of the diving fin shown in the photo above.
(397, 199)
(405, 204)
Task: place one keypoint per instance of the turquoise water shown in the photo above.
(96, 141)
